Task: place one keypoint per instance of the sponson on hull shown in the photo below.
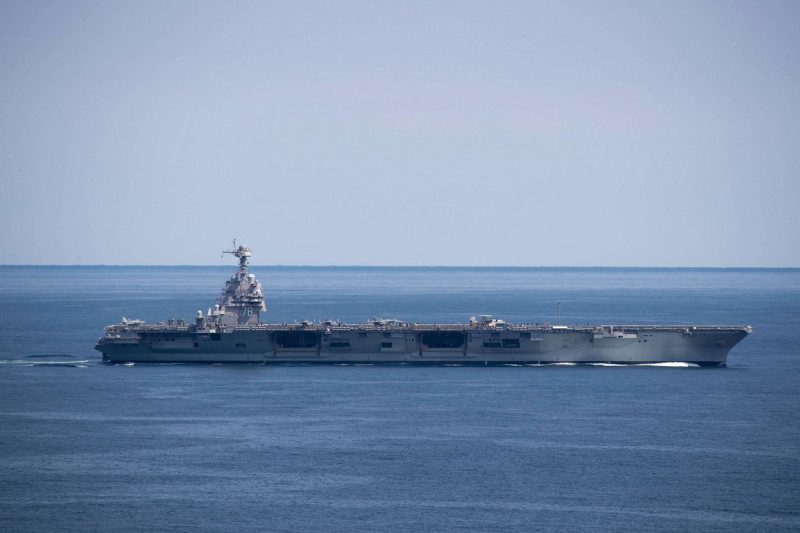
(231, 332)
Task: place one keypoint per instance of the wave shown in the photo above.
(671, 365)
(674, 364)
(27, 362)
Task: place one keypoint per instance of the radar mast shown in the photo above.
(242, 252)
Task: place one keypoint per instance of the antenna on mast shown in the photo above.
(242, 252)
(226, 251)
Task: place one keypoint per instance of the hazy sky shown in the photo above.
(636, 133)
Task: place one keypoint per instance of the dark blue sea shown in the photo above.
(86, 446)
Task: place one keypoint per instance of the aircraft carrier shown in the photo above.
(232, 332)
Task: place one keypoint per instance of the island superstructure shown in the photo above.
(231, 332)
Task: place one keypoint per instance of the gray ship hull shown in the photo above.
(701, 345)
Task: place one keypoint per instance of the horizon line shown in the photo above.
(638, 267)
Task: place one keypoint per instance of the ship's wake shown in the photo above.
(60, 360)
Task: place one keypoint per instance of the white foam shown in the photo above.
(674, 364)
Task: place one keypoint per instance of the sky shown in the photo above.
(530, 133)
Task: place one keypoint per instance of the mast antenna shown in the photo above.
(242, 253)
(226, 251)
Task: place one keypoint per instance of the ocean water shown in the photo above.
(88, 446)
